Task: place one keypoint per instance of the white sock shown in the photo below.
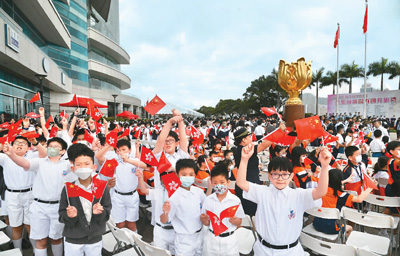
(9, 231)
(33, 242)
(18, 243)
(40, 252)
(57, 249)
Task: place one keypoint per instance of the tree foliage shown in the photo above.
(379, 68)
(351, 71)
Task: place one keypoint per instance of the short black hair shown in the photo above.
(392, 145)
(297, 152)
(213, 153)
(201, 159)
(79, 149)
(173, 135)
(349, 151)
(41, 138)
(21, 138)
(78, 132)
(220, 169)
(377, 133)
(185, 163)
(124, 142)
(226, 152)
(280, 164)
(62, 142)
(385, 139)
(335, 181)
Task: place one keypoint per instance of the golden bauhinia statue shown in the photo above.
(293, 78)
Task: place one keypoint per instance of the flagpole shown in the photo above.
(365, 68)
(337, 75)
(66, 192)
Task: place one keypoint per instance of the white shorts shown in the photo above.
(164, 239)
(4, 211)
(44, 221)
(83, 249)
(220, 246)
(125, 208)
(18, 207)
(189, 245)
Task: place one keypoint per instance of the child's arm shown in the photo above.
(166, 209)
(43, 122)
(102, 209)
(324, 158)
(67, 214)
(101, 154)
(362, 196)
(183, 142)
(241, 181)
(164, 134)
(137, 163)
(19, 160)
(205, 219)
(142, 185)
(209, 187)
(137, 145)
(73, 123)
(235, 221)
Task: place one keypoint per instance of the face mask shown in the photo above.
(302, 159)
(355, 135)
(83, 173)
(231, 167)
(52, 152)
(220, 189)
(232, 158)
(187, 181)
(84, 142)
(358, 159)
(215, 159)
(284, 155)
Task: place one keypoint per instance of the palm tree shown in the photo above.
(331, 79)
(350, 71)
(394, 70)
(317, 76)
(379, 68)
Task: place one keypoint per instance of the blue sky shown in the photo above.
(194, 53)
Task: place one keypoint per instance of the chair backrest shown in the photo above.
(326, 248)
(362, 252)
(366, 219)
(383, 181)
(201, 183)
(383, 200)
(325, 213)
(351, 192)
(246, 222)
(120, 235)
(232, 184)
(148, 249)
(245, 240)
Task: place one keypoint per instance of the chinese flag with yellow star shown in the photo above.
(155, 105)
(75, 191)
(309, 128)
(228, 212)
(108, 168)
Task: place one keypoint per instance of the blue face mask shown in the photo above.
(187, 181)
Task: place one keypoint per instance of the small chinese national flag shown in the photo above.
(155, 105)
(125, 133)
(309, 128)
(308, 161)
(365, 20)
(138, 133)
(111, 139)
(50, 120)
(88, 137)
(53, 132)
(280, 138)
(171, 182)
(368, 183)
(253, 137)
(64, 114)
(216, 223)
(328, 138)
(337, 37)
(35, 98)
(98, 187)
(148, 157)
(229, 212)
(163, 163)
(75, 191)
(13, 131)
(108, 168)
(269, 111)
(31, 134)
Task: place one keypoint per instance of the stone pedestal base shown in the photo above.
(292, 113)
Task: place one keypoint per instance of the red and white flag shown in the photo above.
(50, 120)
(64, 114)
(216, 223)
(171, 182)
(98, 187)
(111, 139)
(197, 136)
(147, 156)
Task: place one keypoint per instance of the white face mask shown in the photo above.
(215, 159)
(302, 159)
(284, 155)
(358, 159)
(83, 173)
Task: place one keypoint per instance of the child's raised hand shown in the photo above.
(97, 208)
(235, 221)
(77, 111)
(124, 157)
(247, 151)
(205, 219)
(8, 149)
(111, 183)
(72, 212)
(166, 207)
(325, 157)
(137, 143)
(139, 174)
(41, 111)
(317, 170)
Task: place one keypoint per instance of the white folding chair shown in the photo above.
(4, 238)
(362, 252)
(2, 224)
(326, 248)
(245, 240)
(201, 183)
(12, 252)
(324, 213)
(148, 249)
(123, 239)
(247, 223)
(374, 243)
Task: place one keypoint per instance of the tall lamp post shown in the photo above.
(115, 105)
(41, 77)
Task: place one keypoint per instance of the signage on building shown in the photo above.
(385, 103)
(12, 40)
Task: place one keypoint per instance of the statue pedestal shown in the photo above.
(292, 113)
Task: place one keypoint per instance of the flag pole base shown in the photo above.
(292, 113)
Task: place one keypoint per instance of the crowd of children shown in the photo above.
(56, 189)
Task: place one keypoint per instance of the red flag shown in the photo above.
(280, 138)
(229, 212)
(53, 132)
(98, 187)
(88, 137)
(50, 120)
(90, 108)
(387, 154)
(309, 128)
(75, 99)
(3, 140)
(328, 138)
(216, 223)
(365, 20)
(31, 134)
(171, 182)
(4, 125)
(97, 114)
(98, 126)
(337, 37)
(125, 133)
(148, 157)
(32, 115)
(197, 136)
(269, 111)
(13, 131)
(308, 161)
(108, 168)
(75, 191)
(163, 163)
(111, 139)
(138, 133)
(368, 183)
(253, 137)
(64, 114)
(35, 98)
(155, 105)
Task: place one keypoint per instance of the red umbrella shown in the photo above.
(32, 115)
(128, 114)
(82, 103)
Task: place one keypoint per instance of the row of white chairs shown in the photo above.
(4, 239)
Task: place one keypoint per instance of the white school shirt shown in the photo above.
(279, 216)
(377, 146)
(86, 204)
(358, 172)
(259, 131)
(126, 179)
(179, 154)
(158, 196)
(15, 176)
(185, 210)
(212, 204)
(381, 175)
(50, 178)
